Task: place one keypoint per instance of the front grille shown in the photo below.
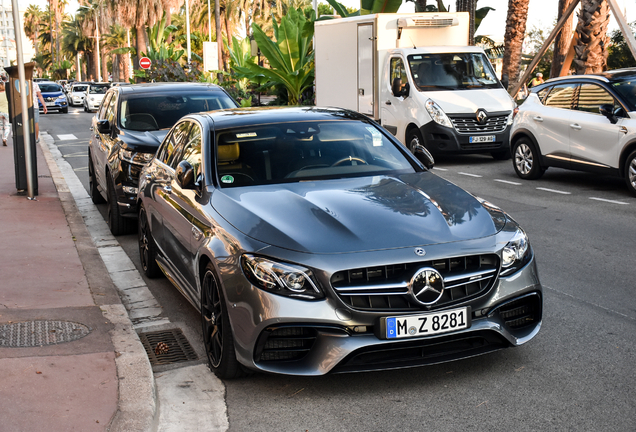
(385, 288)
(285, 343)
(522, 312)
(470, 125)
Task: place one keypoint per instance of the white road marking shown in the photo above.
(440, 169)
(469, 174)
(66, 137)
(609, 201)
(508, 182)
(555, 191)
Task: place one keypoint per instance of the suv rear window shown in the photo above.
(161, 111)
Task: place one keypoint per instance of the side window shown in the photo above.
(398, 75)
(102, 109)
(173, 143)
(110, 105)
(192, 149)
(543, 93)
(560, 96)
(592, 96)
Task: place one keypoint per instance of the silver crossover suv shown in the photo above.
(312, 241)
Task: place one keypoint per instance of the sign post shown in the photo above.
(145, 63)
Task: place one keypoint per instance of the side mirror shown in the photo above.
(424, 156)
(406, 90)
(505, 81)
(103, 126)
(608, 111)
(396, 87)
(185, 175)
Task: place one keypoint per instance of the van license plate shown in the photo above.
(427, 324)
(481, 139)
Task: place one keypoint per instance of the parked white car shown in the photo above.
(583, 122)
(95, 95)
(77, 94)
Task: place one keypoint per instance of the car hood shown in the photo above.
(358, 214)
(52, 94)
(469, 101)
(146, 141)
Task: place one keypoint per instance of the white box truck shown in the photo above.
(416, 75)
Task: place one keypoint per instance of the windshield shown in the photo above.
(160, 111)
(452, 71)
(98, 89)
(627, 89)
(79, 88)
(50, 88)
(315, 150)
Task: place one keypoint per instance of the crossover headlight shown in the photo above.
(516, 254)
(437, 113)
(281, 278)
(136, 157)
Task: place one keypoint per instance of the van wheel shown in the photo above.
(526, 160)
(630, 172)
(413, 138)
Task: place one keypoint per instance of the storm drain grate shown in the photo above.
(28, 334)
(166, 347)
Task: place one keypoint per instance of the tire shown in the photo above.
(116, 222)
(93, 190)
(525, 160)
(217, 331)
(85, 110)
(64, 111)
(630, 172)
(147, 246)
(413, 138)
(501, 155)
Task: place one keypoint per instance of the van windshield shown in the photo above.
(452, 71)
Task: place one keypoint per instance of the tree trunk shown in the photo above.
(562, 41)
(219, 38)
(470, 7)
(420, 5)
(591, 50)
(513, 38)
(141, 45)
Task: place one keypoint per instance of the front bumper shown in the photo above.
(442, 139)
(297, 337)
(57, 106)
(93, 105)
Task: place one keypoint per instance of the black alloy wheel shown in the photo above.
(526, 159)
(217, 332)
(147, 246)
(94, 192)
(116, 222)
(630, 172)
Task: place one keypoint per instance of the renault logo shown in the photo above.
(482, 116)
(427, 286)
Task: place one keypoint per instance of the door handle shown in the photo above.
(537, 118)
(197, 233)
(388, 102)
(167, 189)
(623, 129)
(576, 126)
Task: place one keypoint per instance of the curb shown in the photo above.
(137, 404)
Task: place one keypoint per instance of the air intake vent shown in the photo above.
(434, 21)
(522, 312)
(285, 343)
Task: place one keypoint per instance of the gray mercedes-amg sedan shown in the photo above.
(312, 241)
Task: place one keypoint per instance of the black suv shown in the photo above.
(129, 126)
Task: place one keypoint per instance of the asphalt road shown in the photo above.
(577, 374)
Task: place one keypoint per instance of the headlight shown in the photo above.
(61, 97)
(281, 278)
(136, 157)
(512, 115)
(437, 113)
(516, 254)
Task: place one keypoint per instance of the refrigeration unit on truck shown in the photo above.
(417, 76)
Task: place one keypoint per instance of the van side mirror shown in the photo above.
(103, 126)
(398, 89)
(424, 156)
(608, 111)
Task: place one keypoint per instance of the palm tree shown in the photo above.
(591, 48)
(513, 38)
(562, 41)
(33, 18)
(114, 40)
(74, 42)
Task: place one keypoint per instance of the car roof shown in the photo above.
(161, 87)
(266, 115)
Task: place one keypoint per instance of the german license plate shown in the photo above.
(481, 139)
(407, 326)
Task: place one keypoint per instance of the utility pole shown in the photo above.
(187, 8)
(99, 66)
(5, 20)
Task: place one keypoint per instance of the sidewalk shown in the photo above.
(70, 359)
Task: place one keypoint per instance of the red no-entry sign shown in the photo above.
(145, 62)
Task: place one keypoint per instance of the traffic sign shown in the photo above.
(145, 62)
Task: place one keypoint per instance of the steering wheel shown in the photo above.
(349, 159)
